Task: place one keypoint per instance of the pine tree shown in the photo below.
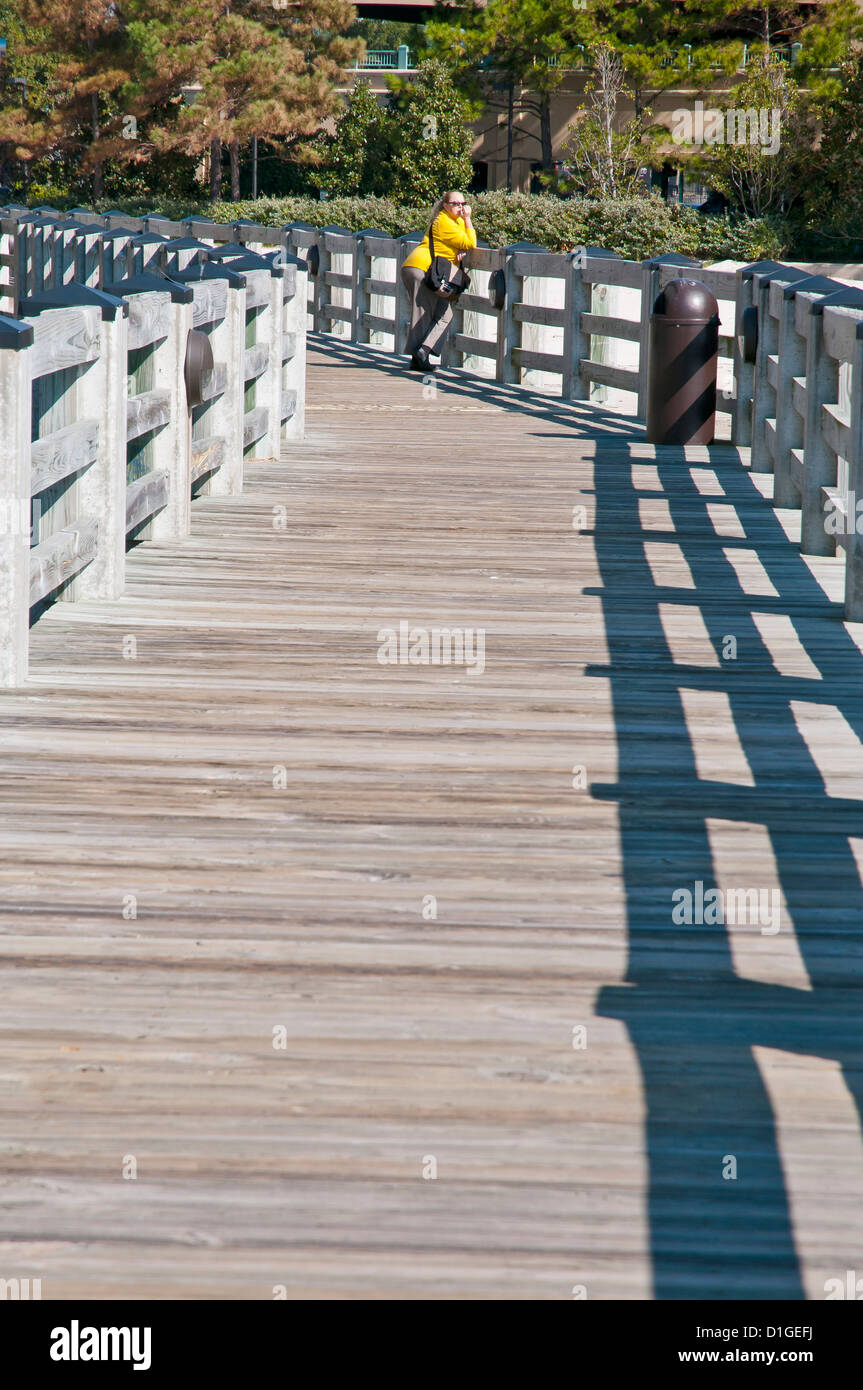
(256, 67)
(513, 55)
(82, 46)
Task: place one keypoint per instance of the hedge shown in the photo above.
(634, 228)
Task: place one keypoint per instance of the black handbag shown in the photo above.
(439, 277)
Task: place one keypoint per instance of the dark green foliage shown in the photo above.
(633, 228)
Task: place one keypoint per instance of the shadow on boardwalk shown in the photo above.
(693, 1020)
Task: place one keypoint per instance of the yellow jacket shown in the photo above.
(450, 236)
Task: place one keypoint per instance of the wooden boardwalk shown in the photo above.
(284, 929)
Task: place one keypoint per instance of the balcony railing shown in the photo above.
(396, 58)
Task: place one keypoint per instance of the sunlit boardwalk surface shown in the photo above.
(377, 975)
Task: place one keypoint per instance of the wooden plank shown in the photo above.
(62, 453)
(149, 318)
(840, 332)
(477, 304)
(289, 346)
(798, 395)
(144, 497)
(601, 270)
(337, 280)
(607, 326)
(539, 313)
(147, 411)
(215, 382)
(257, 360)
(798, 469)
(835, 427)
(211, 299)
(382, 325)
(604, 375)
(421, 933)
(208, 454)
(540, 361)
(64, 338)
(60, 557)
(256, 422)
(289, 405)
(372, 286)
(257, 288)
(337, 311)
(722, 283)
(542, 264)
(475, 347)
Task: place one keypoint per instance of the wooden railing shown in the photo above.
(107, 428)
(576, 324)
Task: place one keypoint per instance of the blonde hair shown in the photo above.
(438, 207)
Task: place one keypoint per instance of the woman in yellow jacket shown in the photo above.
(431, 316)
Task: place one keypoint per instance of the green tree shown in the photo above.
(355, 159)
(763, 153)
(77, 109)
(604, 156)
(431, 135)
(250, 68)
(413, 148)
(512, 55)
(834, 195)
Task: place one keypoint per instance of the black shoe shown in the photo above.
(420, 361)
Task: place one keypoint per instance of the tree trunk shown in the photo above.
(234, 151)
(98, 183)
(510, 120)
(545, 132)
(215, 169)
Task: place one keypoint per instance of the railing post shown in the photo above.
(854, 541)
(508, 327)
(819, 459)
(102, 392)
(741, 411)
(402, 325)
(294, 349)
(172, 445)
(576, 344)
(649, 291)
(8, 234)
(763, 395)
(16, 392)
(360, 331)
(788, 431)
(227, 412)
(320, 322)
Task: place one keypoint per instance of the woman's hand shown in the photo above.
(466, 212)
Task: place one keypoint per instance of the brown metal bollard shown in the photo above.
(683, 356)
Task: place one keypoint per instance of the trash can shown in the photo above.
(682, 359)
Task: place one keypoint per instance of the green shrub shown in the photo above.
(635, 228)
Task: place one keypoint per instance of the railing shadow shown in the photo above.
(457, 382)
(692, 1019)
(718, 1229)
